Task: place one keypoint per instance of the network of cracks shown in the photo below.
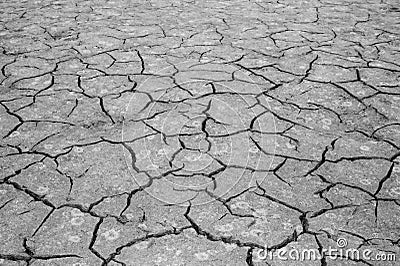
(198, 132)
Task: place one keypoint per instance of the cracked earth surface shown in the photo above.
(198, 132)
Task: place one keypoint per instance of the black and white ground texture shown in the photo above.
(199, 132)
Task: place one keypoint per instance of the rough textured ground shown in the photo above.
(198, 132)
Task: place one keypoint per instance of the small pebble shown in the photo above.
(42, 190)
(111, 234)
(74, 239)
(364, 148)
(78, 149)
(76, 212)
(224, 228)
(48, 146)
(327, 121)
(142, 245)
(365, 182)
(202, 256)
(77, 221)
(330, 215)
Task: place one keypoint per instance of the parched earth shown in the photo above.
(199, 132)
